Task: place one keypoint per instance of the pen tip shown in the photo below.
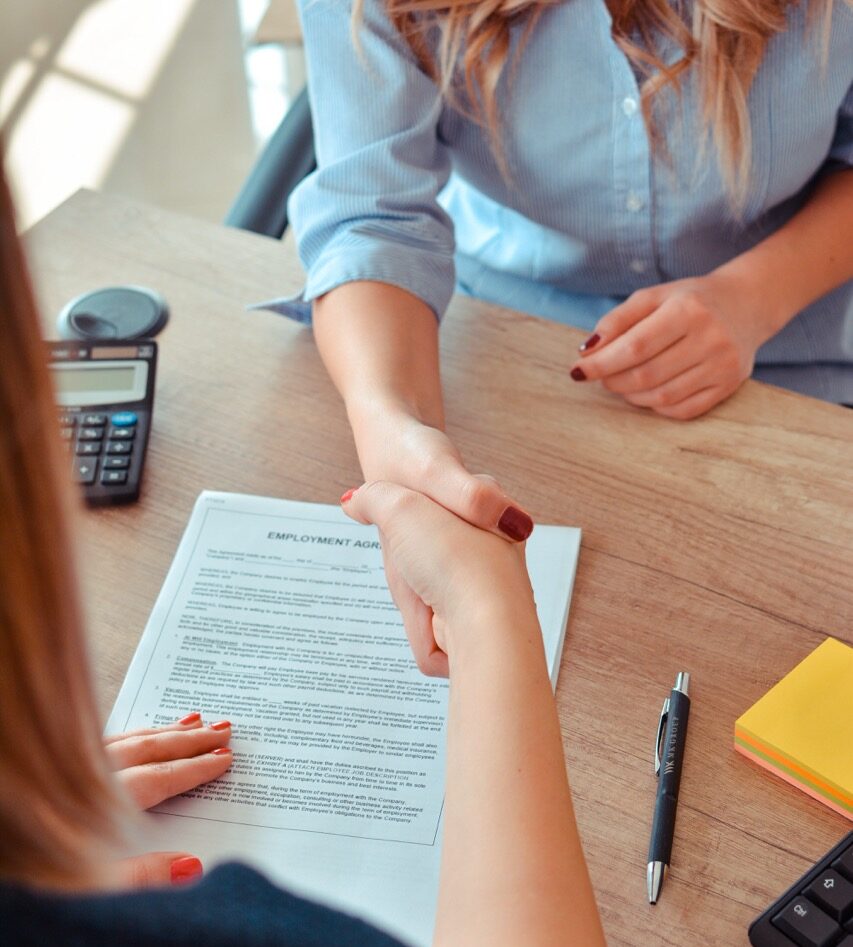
(654, 880)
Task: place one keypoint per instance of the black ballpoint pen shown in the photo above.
(673, 717)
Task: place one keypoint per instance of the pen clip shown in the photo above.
(664, 713)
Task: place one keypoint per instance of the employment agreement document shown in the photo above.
(275, 615)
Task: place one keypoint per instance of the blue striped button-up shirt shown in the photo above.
(408, 190)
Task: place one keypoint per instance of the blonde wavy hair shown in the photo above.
(464, 46)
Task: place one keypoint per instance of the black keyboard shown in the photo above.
(817, 911)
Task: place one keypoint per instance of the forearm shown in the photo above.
(806, 258)
(380, 346)
(512, 870)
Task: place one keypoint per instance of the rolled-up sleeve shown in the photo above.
(369, 211)
(841, 151)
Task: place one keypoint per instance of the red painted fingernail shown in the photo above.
(515, 524)
(190, 718)
(186, 869)
(221, 751)
(578, 374)
(220, 725)
(592, 341)
(348, 494)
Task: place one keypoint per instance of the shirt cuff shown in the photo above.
(428, 276)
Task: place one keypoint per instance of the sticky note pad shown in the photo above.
(802, 729)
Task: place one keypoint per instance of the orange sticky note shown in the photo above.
(802, 729)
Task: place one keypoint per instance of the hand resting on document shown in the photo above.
(155, 764)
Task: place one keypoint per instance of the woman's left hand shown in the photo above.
(679, 348)
(155, 764)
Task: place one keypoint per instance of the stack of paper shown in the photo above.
(802, 729)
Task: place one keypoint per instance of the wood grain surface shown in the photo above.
(721, 546)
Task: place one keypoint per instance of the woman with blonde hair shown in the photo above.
(512, 867)
(674, 176)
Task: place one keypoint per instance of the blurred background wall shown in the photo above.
(167, 101)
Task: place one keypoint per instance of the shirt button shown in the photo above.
(638, 266)
(634, 202)
(629, 106)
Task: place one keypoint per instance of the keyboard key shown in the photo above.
(116, 463)
(94, 420)
(84, 470)
(114, 476)
(833, 893)
(122, 433)
(844, 863)
(119, 447)
(87, 448)
(806, 924)
(90, 433)
(124, 419)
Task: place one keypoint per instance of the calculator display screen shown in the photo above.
(76, 381)
(94, 383)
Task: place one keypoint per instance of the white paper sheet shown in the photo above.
(275, 615)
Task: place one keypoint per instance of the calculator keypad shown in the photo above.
(102, 445)
(84, 471)
(114, 476)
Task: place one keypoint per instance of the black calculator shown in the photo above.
(817, 911)
(105, 393)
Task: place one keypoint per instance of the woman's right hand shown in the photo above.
(458, 573)
(380, 345)
(396, 447)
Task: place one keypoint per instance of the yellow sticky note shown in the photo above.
(802, 729)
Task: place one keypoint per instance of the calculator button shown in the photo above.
(67, 420)
(119, 447)
(88, 448)
(90, 433)
(122, 433)
(114, 476)
(834, 894)
(844, 864)
(94, 420)
(124, 419)
(806, 924)
(116, 463)
(66, 433)
(84, 470)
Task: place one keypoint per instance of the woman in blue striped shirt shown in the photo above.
(675, 177)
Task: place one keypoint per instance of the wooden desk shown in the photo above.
(722, 546)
